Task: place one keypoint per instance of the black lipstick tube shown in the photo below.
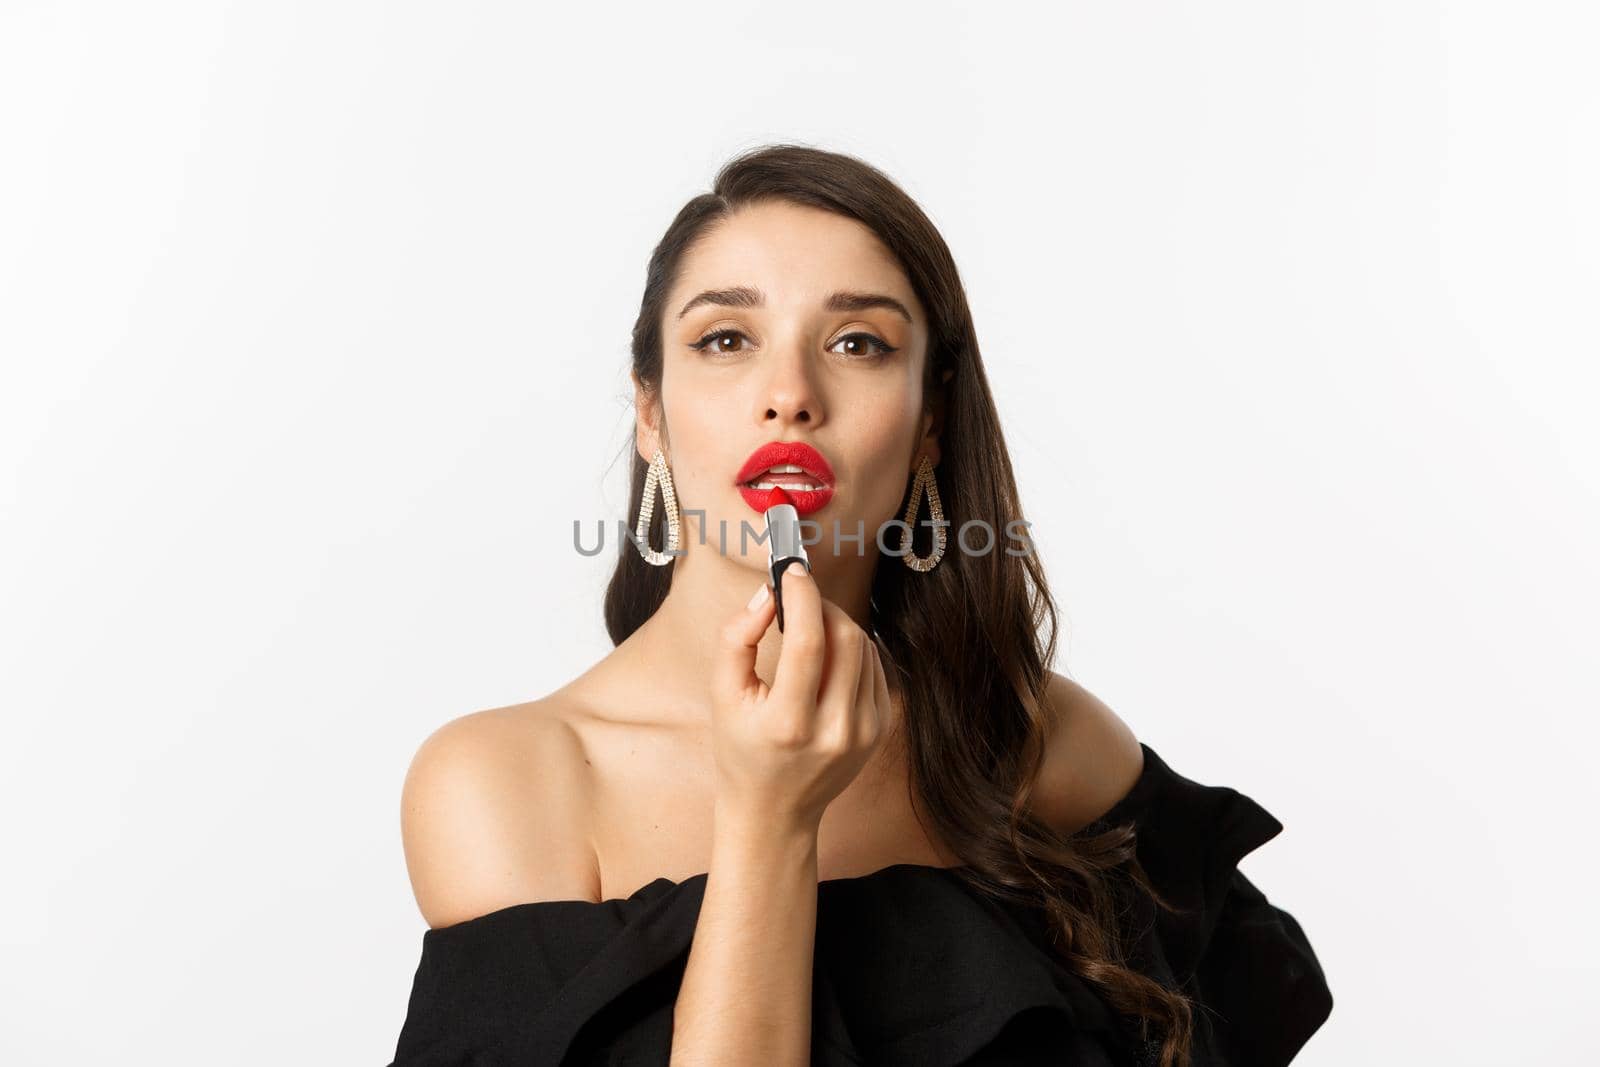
(783, 547)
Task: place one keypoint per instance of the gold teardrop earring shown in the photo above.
(659, 474)
(924, 483)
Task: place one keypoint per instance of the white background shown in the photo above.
(314, 320)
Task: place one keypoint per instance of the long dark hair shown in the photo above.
(973, 628)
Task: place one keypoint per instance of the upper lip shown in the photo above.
(779, 453)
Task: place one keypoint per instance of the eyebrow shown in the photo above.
(744, 296)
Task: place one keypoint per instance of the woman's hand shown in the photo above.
(783, 753)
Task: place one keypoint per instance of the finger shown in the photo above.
(881, 679)
(863, 717)
(799, 670)
(841, 673)
(733, 671)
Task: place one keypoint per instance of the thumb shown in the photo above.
(735, 670)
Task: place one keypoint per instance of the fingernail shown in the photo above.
(757, 600)
(795, 567)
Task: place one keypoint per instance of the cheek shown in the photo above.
(885, 445)
(697, 422)
(695, 413)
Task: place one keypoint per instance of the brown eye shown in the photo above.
(863, 346)
(722, 342)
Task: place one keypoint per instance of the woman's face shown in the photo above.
(769, 350)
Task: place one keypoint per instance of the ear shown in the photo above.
(933, 420)
(647, 424)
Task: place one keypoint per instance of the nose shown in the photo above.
(789, 394)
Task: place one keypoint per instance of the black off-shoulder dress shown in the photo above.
(912, 966)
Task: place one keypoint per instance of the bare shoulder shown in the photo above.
(1092, 758)
(494, 812)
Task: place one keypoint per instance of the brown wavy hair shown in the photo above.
(975, 625)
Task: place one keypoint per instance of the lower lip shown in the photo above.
(806, 501)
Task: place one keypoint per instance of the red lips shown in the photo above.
(787, 453)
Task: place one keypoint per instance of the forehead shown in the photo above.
(795, 253)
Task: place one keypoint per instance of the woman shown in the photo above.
(887, 833)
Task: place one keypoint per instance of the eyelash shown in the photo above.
(883, 347)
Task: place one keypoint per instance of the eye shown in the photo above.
(714, 341)
(867, 346)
